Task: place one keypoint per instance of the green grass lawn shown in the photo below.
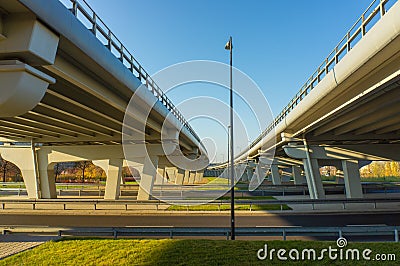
(181, 252)
(227, 207)
(248, 198)
(381, 179)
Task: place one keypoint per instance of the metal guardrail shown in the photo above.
(88, 17)
(368, 19)
(262, 191)
(105, 204)
(171, 232)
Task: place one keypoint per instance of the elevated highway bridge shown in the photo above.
(346, 114)
(66, 82)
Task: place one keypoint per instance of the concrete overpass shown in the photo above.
(346, 114)
(66, 81)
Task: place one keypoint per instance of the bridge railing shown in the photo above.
(88, 17)
(375, 11)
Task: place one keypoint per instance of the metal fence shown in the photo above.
(88, 17)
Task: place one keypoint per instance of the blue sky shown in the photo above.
(279, 44)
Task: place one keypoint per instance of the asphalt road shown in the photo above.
(185, 220)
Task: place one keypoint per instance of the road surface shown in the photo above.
(193, 220)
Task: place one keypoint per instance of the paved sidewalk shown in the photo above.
(15, 243)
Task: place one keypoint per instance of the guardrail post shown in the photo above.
(250, 205)
(115, 234)
(64, 207)
(340, 233)
(33, 206)
(59, 233)
(313, 207)
(94, 24)
(284, 234)
(283, 191)
(281, 207)
(171, 234)
(396, 235)
(382, 8)
(74, 8)
(126, 206)
(3, 205)
(374, 204)
(344, 205)
(95, 206)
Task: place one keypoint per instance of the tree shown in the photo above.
(7, 168)
(82, 166)
(4, 167)
(58, 169)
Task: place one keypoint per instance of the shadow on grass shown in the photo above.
(177, 252)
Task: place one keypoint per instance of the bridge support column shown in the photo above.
(276, 177)
(249, 172)
(113, 169)
(25, 159)
(352, 179)
(285, 177)
(148, 174)
(243, 177)
(180, 176)
(46, 176)
(161, 175)
(339, 177)
(297, 177)
(186, 177)
(171, 174)
(192, 176)
(314, 180)
(199, 176)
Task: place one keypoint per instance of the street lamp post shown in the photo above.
(228, 155)
(229, 47)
